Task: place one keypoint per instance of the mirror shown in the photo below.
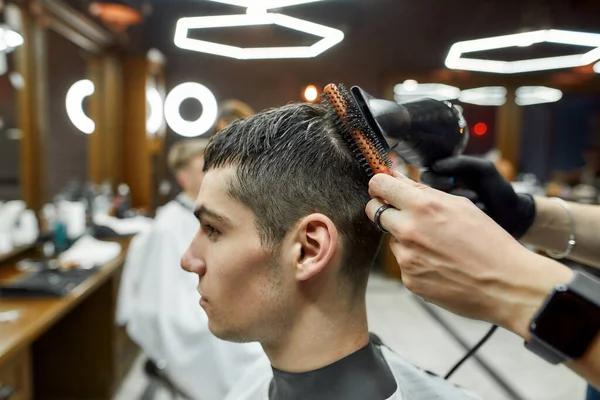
(10, 83)
(68, 123)
(9, 132)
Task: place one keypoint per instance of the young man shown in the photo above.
(283, 254)
(161, 309)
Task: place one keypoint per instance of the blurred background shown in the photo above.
(93, 94)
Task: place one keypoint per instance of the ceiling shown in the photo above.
(383, 38)
(412, 34)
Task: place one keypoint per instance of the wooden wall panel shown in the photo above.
(137, 172)
(105, 162)
(509, 122)
(33, 118)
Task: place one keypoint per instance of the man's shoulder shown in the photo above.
(173, 217)
(416, 383)
(171, 208)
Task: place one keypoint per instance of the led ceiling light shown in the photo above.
(484, 96)
(156, 115)
(74, 103)
(190, 90)
(412, 90)
(9, 39)
(265, 4)
(330, 36)
(454, 60)
(529, 95)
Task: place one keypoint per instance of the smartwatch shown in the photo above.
(568, 321)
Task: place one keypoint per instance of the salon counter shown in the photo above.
(65, 348)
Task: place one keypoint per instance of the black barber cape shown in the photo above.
(373, 372)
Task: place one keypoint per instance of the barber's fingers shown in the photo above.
(398, 190)
(391, 219)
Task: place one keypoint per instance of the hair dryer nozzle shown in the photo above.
(420, 132)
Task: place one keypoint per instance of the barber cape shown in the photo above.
(412, 383)
(159, 303)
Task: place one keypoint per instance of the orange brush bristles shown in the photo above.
(367, 154)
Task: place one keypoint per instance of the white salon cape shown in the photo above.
(159, 304)
(413, 383)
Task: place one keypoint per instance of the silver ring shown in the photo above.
(378, 213)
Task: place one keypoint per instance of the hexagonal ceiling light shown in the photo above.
(256, 15)
(265, 4)
(454, 60)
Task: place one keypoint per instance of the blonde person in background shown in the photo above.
(232, 110)
(158, 302)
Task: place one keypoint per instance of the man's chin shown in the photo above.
(228, 334)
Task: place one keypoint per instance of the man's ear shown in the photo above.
(316, 245)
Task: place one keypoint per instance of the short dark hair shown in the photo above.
(290, 162)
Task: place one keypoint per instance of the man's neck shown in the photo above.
(318, 338)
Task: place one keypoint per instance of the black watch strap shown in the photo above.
(586, 286)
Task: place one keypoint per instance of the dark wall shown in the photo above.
(9, 148)
(554, 136)
(66, 155)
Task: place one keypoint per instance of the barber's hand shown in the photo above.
(452, 254)
(480, 181)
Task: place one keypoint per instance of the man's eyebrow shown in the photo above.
(203, 211)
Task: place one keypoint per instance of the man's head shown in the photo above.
(186, 162)
(283, 225)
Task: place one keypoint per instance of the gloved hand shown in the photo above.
(480, 181)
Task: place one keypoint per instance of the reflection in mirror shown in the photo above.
(9, 132)
(66, 155)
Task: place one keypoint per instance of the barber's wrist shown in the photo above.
(528, 291)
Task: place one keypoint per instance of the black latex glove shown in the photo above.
(480, 181)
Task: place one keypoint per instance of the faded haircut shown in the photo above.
(290, 162)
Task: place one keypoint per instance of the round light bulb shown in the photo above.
(311, 93)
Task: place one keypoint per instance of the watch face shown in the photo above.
(568, 323)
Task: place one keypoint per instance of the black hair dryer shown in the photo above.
(421, 132)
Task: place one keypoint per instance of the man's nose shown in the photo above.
(193, 264)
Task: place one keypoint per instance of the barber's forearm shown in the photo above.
(524, 298)
(524, 294)
(551, 228)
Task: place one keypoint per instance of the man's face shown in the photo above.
(245, 289)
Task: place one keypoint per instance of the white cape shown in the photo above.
(159, 304)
